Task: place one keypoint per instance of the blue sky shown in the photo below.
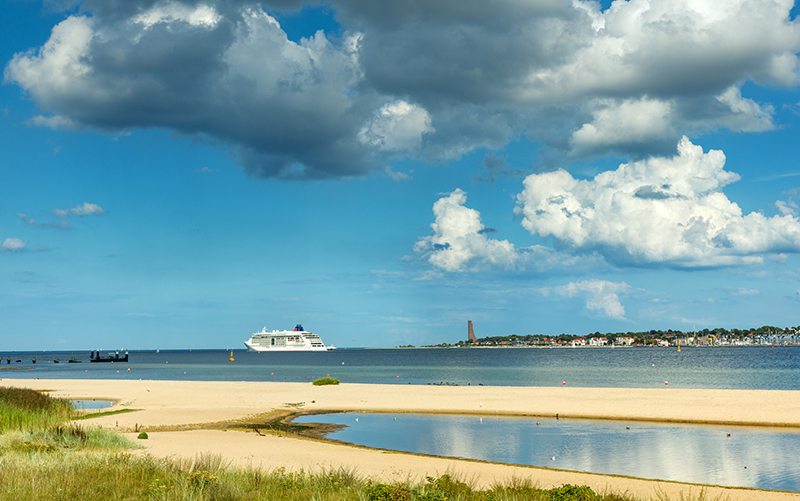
(181, 173)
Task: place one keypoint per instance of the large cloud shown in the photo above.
(285, 109)
(669, 211)
(424, 79)
(461, 243)
(459, 238)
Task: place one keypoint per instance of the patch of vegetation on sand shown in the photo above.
(104, 413)
(325, 381)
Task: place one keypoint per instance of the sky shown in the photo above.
(181, 173)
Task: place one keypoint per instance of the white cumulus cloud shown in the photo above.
(602, 296)
(87, 209)
(13, 244)
(669, 211)
(459, 239)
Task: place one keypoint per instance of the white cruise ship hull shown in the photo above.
(258, 347)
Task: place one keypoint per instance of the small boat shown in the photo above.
(111, 357)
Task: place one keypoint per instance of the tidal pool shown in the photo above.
(91, 404)
(763, 458)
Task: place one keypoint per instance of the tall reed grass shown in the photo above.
(28, 410)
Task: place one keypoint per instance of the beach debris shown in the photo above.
(256, 430)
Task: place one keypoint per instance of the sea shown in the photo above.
(732, 456)
(761, 368)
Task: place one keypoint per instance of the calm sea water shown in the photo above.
(729, 368)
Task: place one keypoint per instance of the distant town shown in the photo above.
(761, 336)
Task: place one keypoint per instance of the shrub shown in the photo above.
(325, 380)
(386, 492)
(142, 436)
(572, 493)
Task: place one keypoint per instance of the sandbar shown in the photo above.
(180, 416)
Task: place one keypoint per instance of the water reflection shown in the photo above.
(91, 404)
(735, 456)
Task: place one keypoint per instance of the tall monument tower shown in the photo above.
(470, 332)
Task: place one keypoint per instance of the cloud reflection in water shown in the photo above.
(749, 457)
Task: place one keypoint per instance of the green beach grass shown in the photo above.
(46, 456)
(119, 475)
(23, 409)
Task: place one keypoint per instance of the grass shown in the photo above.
(28, 410)
(104, 413)
(62, 476)
(32, 421)
(324, 381)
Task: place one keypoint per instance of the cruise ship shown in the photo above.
(294, 340)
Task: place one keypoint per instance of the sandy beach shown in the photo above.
(178, 415)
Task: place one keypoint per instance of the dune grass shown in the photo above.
(28, 410)
(32, 421)
(102, 476)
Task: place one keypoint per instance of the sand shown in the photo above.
(188, 405)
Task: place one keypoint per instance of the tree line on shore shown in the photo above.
(651, 337)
